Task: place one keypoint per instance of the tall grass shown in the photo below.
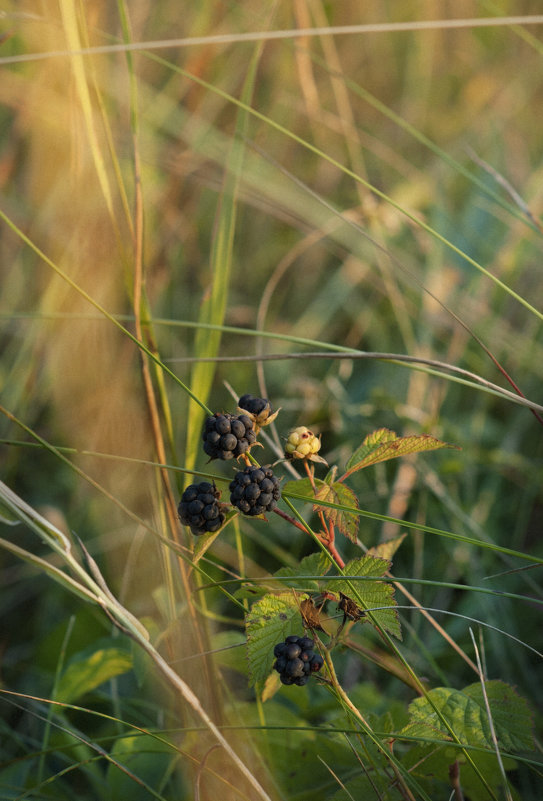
(182, 220)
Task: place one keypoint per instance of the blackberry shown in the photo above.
(258, 409)
(226, 436)
(296, 660)
(199, 508)
(255, 490)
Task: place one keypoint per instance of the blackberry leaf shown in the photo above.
(370, 595)
(383, 444)
(269, 621)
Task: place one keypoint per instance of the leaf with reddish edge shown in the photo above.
(345, 521)
(383, 444)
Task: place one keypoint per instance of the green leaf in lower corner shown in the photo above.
(381, 445)
(92, 667)
(370, 595)
(268, 622)
(465, 711)
(345, 521)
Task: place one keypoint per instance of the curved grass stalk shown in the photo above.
(95, 588)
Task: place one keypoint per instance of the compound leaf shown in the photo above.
(466, 713)
(370, 595)
(383, 444)
(345, 521)
(316, 564)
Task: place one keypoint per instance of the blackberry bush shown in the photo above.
(255, 490)
(200, 509)
(227, 436)
(296, 660)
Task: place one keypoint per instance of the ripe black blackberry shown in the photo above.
(255, 490)
(200, 509)
(258, 409)
(296, 660)
(227, 436)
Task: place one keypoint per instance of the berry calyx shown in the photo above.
(258, 409)
(302, 443)
(200, 509)
(296, 660)
(227, 436)
(255, 490)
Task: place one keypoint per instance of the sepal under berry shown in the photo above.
(302, 443)
(258, 409)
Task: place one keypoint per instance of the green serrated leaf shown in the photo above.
(466, 713)
(370, 595)
(92, 667)
(510, 713)
(382, 445)
(302, 486)
(370, 443)
(423, 729)
(346, 522)
(268, 622)
(316, 564)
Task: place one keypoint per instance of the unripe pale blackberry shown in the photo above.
(226, 436)
(255, 490)
(296, 660)
(303, 444)
(200, 509)
(258, 409)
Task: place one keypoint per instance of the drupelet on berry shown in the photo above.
(296, 660)
(227, 436)
(255, 490)
(200, 509)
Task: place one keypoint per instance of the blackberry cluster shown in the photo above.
(295, 660)
(227, 436)
(199, 508)
(255, 490)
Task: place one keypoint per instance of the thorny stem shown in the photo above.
(324, 538)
